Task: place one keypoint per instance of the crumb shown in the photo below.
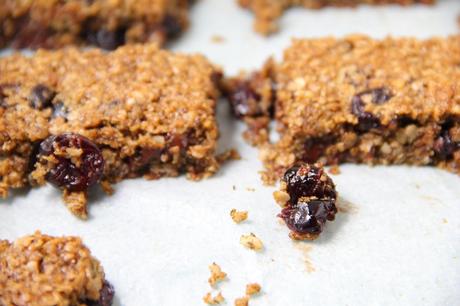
(250, 189)
(281, 196)
(335, 170)
(252, 289)
(210, 300)
(251, 242)
(444, 220)
(217, 274)
(417, 186)
(217, 39)
(228, 155)
(242, 301)
(239, 216)
(234, 187)
(107, 187)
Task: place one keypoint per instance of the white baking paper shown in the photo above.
(396, 242)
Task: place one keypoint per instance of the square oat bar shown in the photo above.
(103, 23)
(267, 12)
(77, 118)
(360, 100)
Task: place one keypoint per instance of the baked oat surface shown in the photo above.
(318, 80)
(40, 270)
(150, 112)
(106, 23)
(268, 11)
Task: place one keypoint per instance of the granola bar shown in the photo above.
(360, 100)
(79, 118)
(41, 270)
(267, 12)
(104, 23)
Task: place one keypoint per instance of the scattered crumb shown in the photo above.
(281, 197)
(417, 186)
(335, 170)
(444, 220)
(234, 187)
(242, 301)
(228, 155)
(251, 242)
(217, 39)
(238, 216)
(344, 206)
(107, 187)
(250, 189)
(217, 274)
(210, 300)
(252, 289)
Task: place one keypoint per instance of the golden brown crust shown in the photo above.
(361, 100)
(268, 11)
(42, 270)
(150, 112)
(106, 23)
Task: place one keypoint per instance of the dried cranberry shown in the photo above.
(141, 160)
(100, 37)
(66, 174)
(41, 97)
(444, 147)
(105, 296)
(304, 180)
(366, 120)
(245, 101)
(171, 26)
(309, 217)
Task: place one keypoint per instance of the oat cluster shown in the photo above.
(43, 270)
(104, 23)
(151, 112)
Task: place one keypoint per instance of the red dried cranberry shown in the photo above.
(66, 174)
(444, 147)
(309, 217)
(141, 160)
(366, 120)
(304, 180)
(171, 26)
(105, 296)
(245, 101)
(41, 97)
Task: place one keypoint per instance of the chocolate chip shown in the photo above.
(171, 26)
(67, 174)
(245, 101)
(41, 97)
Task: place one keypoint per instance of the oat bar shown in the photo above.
(41, 270)
(268, 11)
(76, 118)
(104, 23)
(360, 100)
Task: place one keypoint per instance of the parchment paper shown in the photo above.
(396, 241)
